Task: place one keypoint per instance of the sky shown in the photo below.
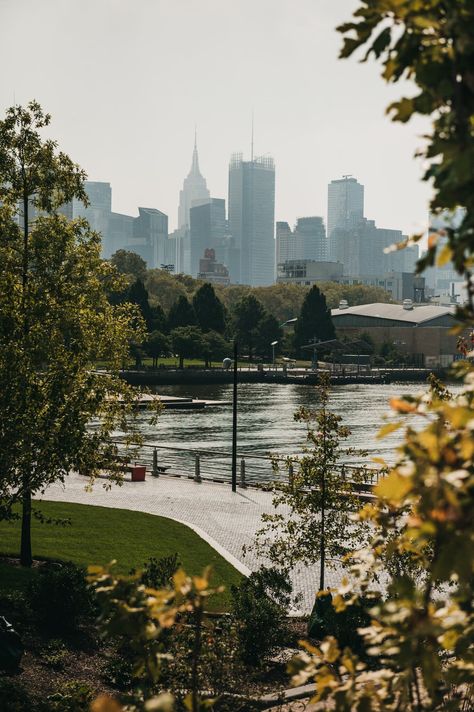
(126, 81)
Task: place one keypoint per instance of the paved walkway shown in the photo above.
(225, 519)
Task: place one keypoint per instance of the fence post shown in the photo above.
(242, 473)
(154, 470)
(197, 469)
(290, 474)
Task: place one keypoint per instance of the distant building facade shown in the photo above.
(207, 229)
(345, 209)
(308, 272)
(212, 271)
(441, 278)
(357, 242)
(150, 237)
(194, 189)
(252, 218)
(422, 332)
(400, 285)
(97, 213)
(306, 242)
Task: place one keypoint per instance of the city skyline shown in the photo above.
(131, 85)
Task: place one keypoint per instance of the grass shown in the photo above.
(97, 535)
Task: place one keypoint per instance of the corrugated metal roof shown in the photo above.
(396, 312)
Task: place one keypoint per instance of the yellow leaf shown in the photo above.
(393, 487)
(384, 431)
(433, 240)
(104, 703)
(444, 256)
(402, 406)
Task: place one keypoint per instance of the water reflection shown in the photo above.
(266, 421)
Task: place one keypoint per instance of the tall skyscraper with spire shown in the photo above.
(194, 189)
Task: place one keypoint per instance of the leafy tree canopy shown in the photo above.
(209, 309)
(314, 321)
(181, 314)
(56, 322)
(246, 317)
(431, 43)
(186, 342)
(129, 263)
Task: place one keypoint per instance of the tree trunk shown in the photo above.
(26, 558)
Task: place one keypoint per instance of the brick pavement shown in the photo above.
(225, 519)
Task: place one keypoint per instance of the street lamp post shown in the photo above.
(273, 344)
(234, 423)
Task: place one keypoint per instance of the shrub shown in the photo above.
(157, 573)
(258, 608)
(72, 696)
(343, 625)
(118, 671)
(54, 654)
(59, 596)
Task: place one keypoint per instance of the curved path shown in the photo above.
(225, 519)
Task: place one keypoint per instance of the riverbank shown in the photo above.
(195, 376)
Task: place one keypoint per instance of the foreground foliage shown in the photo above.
(421, 636)
(55, 324)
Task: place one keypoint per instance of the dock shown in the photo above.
(143, 400)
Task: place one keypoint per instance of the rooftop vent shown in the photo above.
(407, 304)
(343, 304)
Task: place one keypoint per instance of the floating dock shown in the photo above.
(175, 402)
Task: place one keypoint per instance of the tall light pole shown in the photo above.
(273, 344)
(234, 423)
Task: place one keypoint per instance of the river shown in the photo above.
(266, 423)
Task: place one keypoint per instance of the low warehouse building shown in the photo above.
(420, 331)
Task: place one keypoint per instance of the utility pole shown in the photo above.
(234, 424)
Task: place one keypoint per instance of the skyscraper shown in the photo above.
(97, 213)
(194, 189)
(306, 242)
(207, 225)
(345, 209)
(252, 217)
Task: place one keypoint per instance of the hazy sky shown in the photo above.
(126, 80)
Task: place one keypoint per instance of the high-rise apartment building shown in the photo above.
(194, 189)
(252, 218)
(207, 227)
(345, 208)
(97, 213)
(306, 242)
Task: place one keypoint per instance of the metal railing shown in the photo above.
(215, 465)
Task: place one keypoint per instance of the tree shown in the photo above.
(319, 499)
(268, 331)
(158, 318)
(130, 264)
(55, 323)
(186, 342)
(137, 294)
(247, 315)
(314, 321)
(209, 309)
(423, 513)
(181, 314)
(157, 344)
(214, 347)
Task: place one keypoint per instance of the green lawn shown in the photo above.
(99, 534)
